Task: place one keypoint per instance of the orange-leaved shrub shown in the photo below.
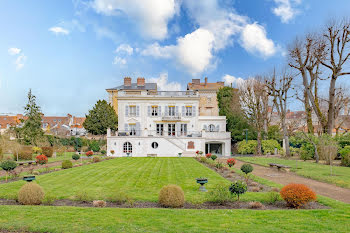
(297, 195)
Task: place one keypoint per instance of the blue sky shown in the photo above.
(69, 52)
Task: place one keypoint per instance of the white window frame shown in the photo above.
(160, 129)
(154, 110)
(188, 111)
(132, 110)
(171, 111)
(132, 129)
(127, 147)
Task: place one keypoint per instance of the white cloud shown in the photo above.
(286, 10)
(119, 61)
(59, 31)
(254, 40)
(157, 51)
(21, 59)
(125, 48)
(163, 84)
(14, 51)
(231, 80)
(151, 15)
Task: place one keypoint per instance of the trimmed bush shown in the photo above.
(307, 151)
(247, 148)
(213, 157)
(238, 188)
(297, 195)
(41, 159)
(272, 197)
(31, 194)
(66, 164)
(256, 205)
(75, 156)
(8, 166)
(26, 153)
(171, 196)
(99, 203)
(230, 162)
(268, 146)
(246, 168)
(37, 150)
(89, 153)
(219, 194)
(48, 151)
(96, 159)
(208, 156)
(345, 156)
(219, 165)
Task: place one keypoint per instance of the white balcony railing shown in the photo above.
(154, 133)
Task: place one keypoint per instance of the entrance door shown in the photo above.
(213, 148)
(171, 130)
(160, 129)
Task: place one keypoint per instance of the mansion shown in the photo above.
(167, 123)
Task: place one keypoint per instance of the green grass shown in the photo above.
(142, 178)
(321, 172)
(65, 156)
(139, 178)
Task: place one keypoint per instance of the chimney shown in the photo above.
(140, 82)
(127, 81)
(206, 80)
(196, 81)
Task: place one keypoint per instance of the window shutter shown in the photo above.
(183, 110)
(193, 111)
(159, 110)
(205, 127)
(166, 110)
(176, 110)
(126, 128)
(149, 110)
(137, 110)
(126, 110)
(217, 128)
(138, 129)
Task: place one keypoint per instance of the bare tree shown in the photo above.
(278, 87)
(254, 101)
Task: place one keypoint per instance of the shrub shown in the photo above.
(41, 159)
(103, 152)
(75, 156)
(297, 195)
(219, 194)
(94, 146)
(202, 160)
(99, 203)
(89, 153)
(8, 165)
(25, 153)
(247, 147)
(219, 165)
(208, 156)
(48, 151)
(275, 189)
(246, 168)
(1, 153)
(307, 151)
(120, 198)
(112, 152)
(256, 205)
(213, 157)
(238, 188)
(66, 164)
(294, 151)
(268, 146)
(230, 162)
(31, 194)
(171, 196)
(96, 159)
(272, 197)
(81, 195)
(37, 150)
(49, 200)
(36, 173)
(254, 184)
(345, 156)
(255, 189)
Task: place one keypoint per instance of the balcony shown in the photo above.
(174, 93)
(174, 117)
(154, 133)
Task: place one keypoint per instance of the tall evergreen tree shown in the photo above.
(100, 118)
(31, 130)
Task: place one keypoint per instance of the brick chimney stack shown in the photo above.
(127, 81)
(206, 80)
(140, 82)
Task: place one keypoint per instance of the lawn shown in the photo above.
(139, 178)
(65, 156)
(142, 178)
(321, 172)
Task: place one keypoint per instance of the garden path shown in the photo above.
(284, 178)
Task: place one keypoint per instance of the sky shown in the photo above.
(69, 52)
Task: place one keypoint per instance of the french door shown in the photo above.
(171, 130)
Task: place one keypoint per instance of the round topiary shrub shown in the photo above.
(8, 165)
(230, 162)
(66, 164)
(75, 156)
(96, 159)
(297, 195)
(213, 157)
(246, 168)
(171, 196)
(31, 194)
(238, 188)
(41, 159)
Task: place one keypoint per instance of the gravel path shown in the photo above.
(284, 178)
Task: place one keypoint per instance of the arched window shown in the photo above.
(211, 128)
(127, 147)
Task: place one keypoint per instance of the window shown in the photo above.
(209, 100)
(171, 111)
(132, 128)
(183, 129)
(160, 129)
(127, 147)
(171, 129)
(154, 145)
(188, 111)
(132, 110)
(154, 111)
(211, 128)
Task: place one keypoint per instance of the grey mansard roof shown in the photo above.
(148, 86)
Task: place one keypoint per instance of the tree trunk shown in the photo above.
(286, 138)
(310, 127)
(258, 149)
(330, 121)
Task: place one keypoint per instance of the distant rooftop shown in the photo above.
(139, 85)
(197, 85)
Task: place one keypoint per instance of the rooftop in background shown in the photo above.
(197, 85)
(139, 85)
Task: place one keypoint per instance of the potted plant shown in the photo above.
(179, 155)
(202, 181)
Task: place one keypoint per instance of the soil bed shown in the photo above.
(207, 205)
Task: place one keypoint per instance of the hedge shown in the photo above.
(268, 146)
